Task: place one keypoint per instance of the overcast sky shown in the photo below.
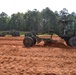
(14, 6)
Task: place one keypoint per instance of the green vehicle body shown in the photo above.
(66, 29)
(10, 32)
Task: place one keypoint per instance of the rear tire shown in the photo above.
(72, 41)
(28, 41)
(67, 41)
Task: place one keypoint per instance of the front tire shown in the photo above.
(28, 41)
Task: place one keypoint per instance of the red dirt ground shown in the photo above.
(52, 59)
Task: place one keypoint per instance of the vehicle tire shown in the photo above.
(28, 41)
(15, 35)
(72, 41)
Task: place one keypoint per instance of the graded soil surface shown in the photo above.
(50, 59)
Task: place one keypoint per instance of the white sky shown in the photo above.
(14, 6)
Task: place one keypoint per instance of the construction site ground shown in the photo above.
(50, 59)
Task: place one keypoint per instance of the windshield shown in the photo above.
(71, 25)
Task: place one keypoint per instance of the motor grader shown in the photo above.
(65, 29)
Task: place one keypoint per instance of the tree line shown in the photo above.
(33, 20)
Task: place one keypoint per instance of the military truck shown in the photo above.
(10, 32)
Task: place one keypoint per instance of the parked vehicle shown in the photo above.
(11, 32)
(66, 29)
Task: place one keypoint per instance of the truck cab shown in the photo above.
(67, 31)
(66, 28)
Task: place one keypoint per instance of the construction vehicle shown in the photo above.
(10, 32)
(65, 29)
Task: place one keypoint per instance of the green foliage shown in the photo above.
(39, 22)
(32, 20)
(17, 21)
(3, 21)
(49, 19)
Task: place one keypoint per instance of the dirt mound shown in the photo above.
(57, 45)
